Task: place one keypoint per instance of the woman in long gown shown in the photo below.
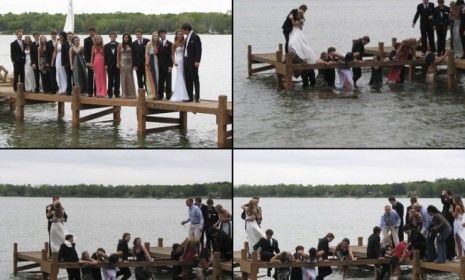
(44, 68)
(459, 231)
(404, 51)
(298, 43)
(224, 220)
(78, 64)
(253, 230)
(61, 75)
(29, 80)
(455, 40)
(124, 64)
(57, 231)
(346, 81)
(151, 66)
(98, 65)
(180, 91)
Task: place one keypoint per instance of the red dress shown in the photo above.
(100, 74)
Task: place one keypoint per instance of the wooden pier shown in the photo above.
(250, 263)
(147, 110)
(49, 266)
(285, 68)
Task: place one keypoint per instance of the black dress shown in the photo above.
(142, 273)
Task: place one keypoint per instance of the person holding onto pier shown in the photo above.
(401, 252)
(98, 65)
(323, 253)
(109, 271)
(88, 44)
(283, 273)
(141, 253)
(52, 74)
(223, 243)
(374, 251)
(440, 231)
(67, 253)
(376, 80)
(111, 57)
(459, 232)
(177, 251)
(195, 217)
(432, 63)
(343, 250)
(346, 82)
(101, 257)
(442, 22)
(253, 230)
(299, 256)
(87, 270)
(330, 74)
(5, 73)
(399, 208)
(447, 208)
(122, 251)
(78, 64)
(268, 247)
(358, 50)
(404, 51)
(18, 57)
(188, 258)
(390, 222)
(426, 13)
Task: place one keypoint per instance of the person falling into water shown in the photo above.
(5, 73)
(432, 63)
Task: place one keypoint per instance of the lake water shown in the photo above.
(42, 129)
(96, 222)
(409, 115)
(302, 221)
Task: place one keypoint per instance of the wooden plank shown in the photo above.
(161, 119)
(28, 266)
(451, 71)
(131, 264)
(141, 113)
(97, 115)
(445, 267)
(263, 68)
(222, 122)
(20, 103)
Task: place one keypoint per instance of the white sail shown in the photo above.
(69, 24)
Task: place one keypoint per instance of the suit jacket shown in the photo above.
(110, 56)
(68, 254)
(399, 208)
(424, 14)
(194, 48)
(287, 25)
(165, 55)
(65, 55)
(88, 43)
(266, 245)
(441, 17)
(18, 57)
(49, 52)
(34, 53)
(138, 53)
(359, 47)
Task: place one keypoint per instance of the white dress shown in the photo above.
(459, 230)
(57, 236)
(254, 232)
(61, 71)
(29, 80)
(299, 45)
(458, 48)
(180, 91)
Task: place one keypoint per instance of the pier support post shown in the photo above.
(116, 115)
(254, 266)
(141, 113)
(394, 41)
(183, 121)
(20, 102)
(61, 110)
(289, 71)
(280, 48)
(147, 246)
(381, 49)
(244, 253)
(76, 106)
(279, 59)
(15, 257)
(44, 259)
(160, 242)
(451, 71)
(411, 72)
(416, 269)
(54, 267)
(360, 241)
(12, 104)
(462, 268)
(249, 60)
(221, 119)
(216, 265)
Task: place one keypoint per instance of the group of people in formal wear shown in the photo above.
(107, 70)
(210, 230)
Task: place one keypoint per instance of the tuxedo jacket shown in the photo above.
(49, 52)
(65, 46)
(18, 57)
(287, 25)
(424, 14)
(165, 54)
(88, 44)
(359, 47)
(399, 208)
(266, 245)
(138, 53)
(194, 48)
(110, 56)
(34, 53)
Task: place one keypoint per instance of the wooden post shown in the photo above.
(183, 120)
(116, 115)
(160, 242)
(54, 268)
(216, 265)
(44, 259)
(244, 253)
(76, 106)
(249, 60)
(416, 270)
(462, 268)
(280, 48)
(141, 112)
(20, 103)
(289, 72)
(46, 246)
(254, 266)
(411, 72)
(15, 255)
(12, 104)
(222, 120)
(381, 49)
(451, 71)
(360, 241)
(246, 246)
(147, 246)
(279, 59)
(61, 110)
(394, 41)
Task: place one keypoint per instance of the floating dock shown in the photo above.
(147, 110)
(49, 266)
(285, 68)
(250, 263)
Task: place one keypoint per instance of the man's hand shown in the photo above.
(183, 223)
(134, 68)
(170, 69)
(197, 64)
(413, 25)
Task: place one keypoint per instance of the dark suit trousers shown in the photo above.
(286, 37)
(45, 81)
(357, 74)
(140, 72)
(125, 271)
(441, 32)
(191, 74)
(330, 76)
(113, 82)
(164, 78)
(52, 75)
(90, 82)
(74, 273)
(18, 72)
(308, 76)
(427, 34)
(69, 75)
(323, 271)
(37, 78)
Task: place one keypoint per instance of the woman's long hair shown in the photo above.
(457, 202)
(252, 209)
(59, 210)
(124, 44)
(43, 45)
(177, 42)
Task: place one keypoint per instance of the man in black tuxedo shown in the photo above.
(35, 58)
(110, 51)
(48, 60)
(18, 57)
(192, 57)
(358, 49)
(138, 58)
(426, 13)
(399, 208)
(269, 246)
(289, 23)
(165, 65)
(88, 44)
(49, 217)
(442, 22)
(65, 46)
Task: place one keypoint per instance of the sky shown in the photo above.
(345, 166)
(114, 166)
(143, 6)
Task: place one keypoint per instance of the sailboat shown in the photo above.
(69, 23)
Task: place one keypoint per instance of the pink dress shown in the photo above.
(100, 74)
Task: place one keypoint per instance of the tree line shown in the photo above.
(424, 189)
(119, 22)
(220, 190)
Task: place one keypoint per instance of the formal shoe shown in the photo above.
(197, 101)
(268, 273)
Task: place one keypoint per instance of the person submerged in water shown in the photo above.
(376, 80)
(346, 81)
(432, 63)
